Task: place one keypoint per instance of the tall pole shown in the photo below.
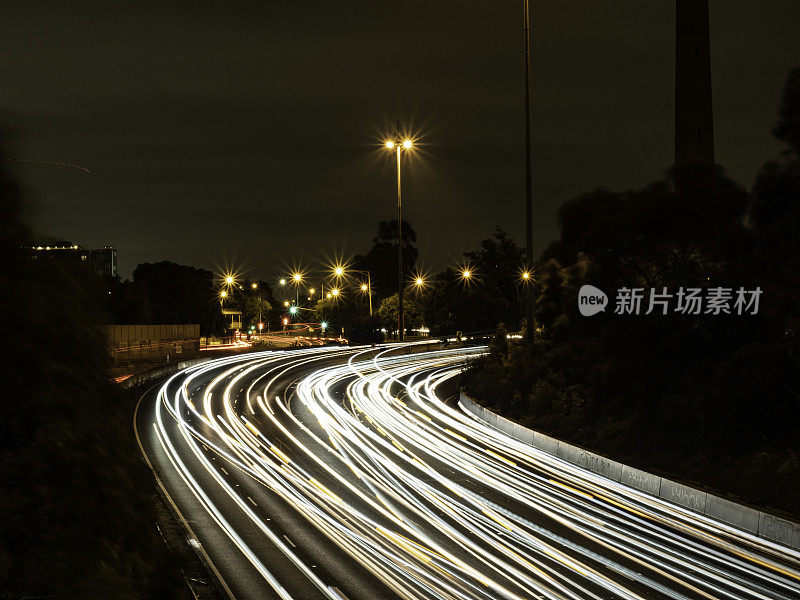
(399, 253)
(529, 306)
(694, 115)
(369, 292)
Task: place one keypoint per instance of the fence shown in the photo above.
(131, 344)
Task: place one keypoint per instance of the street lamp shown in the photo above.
(365, 287)
(254, 285)
(397, 146)
(298, 278)
(466, 274)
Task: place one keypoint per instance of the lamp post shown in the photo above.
(397, 146)
(254, 285)
(298, 278)
(530, 313)
(367, 287)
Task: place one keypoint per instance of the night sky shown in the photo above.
(249, 132)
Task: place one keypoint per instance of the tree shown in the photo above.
(775, 216)
(381, 260)
(788, 127)
(720, 392)
(173, 293)
(494, 293)
(76, 495)
(413, 312)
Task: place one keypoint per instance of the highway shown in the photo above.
(348, 473)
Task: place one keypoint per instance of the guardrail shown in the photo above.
(159, 372)
(761, 524)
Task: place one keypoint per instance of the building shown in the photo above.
(233, 318)
(103, 262)
(72, 257)
(62, 254)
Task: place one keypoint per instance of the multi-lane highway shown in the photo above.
(345, 473)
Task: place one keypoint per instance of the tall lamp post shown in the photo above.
(365, 287)
(530, 314)
(398, 146)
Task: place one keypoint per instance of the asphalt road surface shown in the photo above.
(344, 473)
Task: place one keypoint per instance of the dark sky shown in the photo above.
(248, 132)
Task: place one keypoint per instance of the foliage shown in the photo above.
(413, 312)
(77, 513)
(166, 292)
(711, 399)
(495, 292)
(381, 260)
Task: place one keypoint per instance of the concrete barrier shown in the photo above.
(610, 469)
(683, 495)
(545, 443)
(764, 525)
(640, 480)
(742, 517)
(779, 530)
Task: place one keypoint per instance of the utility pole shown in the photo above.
(529, 299)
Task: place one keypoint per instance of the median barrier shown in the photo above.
(761, 524)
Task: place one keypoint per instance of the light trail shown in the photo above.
(431, 501)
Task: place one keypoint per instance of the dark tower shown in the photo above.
(694, 119)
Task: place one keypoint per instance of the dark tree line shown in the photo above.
(169, 293)
(447, 303)
(76, 511)
(711, 398)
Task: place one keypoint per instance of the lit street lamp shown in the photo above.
(397, 146)
(365, 287)
(298, 278)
